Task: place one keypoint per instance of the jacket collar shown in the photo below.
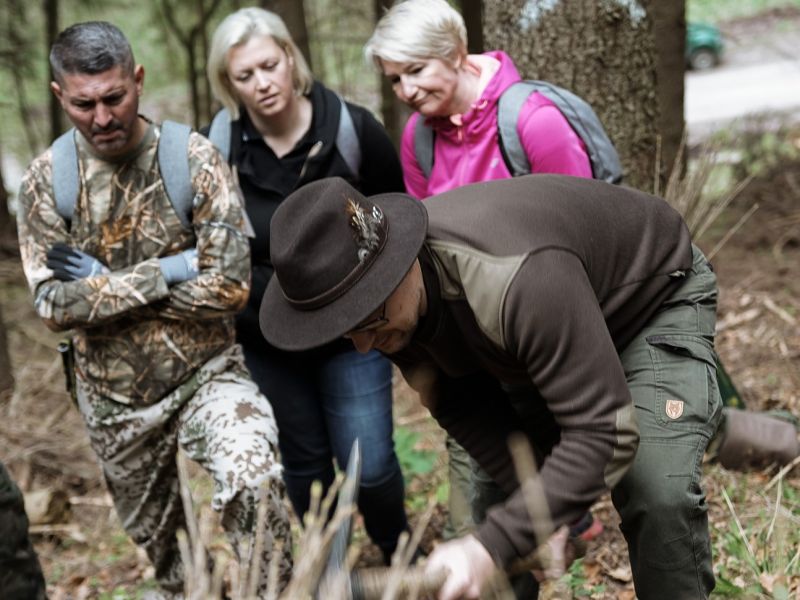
(485, 107)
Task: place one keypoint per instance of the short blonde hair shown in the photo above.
(418, 30)
(238, 28)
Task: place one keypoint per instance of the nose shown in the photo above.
(363, 341)
(406, 88)
(262, 80)
(102, 115)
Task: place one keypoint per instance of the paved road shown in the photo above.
(760, 74)
(728, 93)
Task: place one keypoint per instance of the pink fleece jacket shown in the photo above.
(469, 152)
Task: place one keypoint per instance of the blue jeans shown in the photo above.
(323, 401)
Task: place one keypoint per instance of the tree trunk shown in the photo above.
(208, 96)
(472, 11)
(6, 376)
(293, 14)
(602, 51)
(20, 69)
(194, 85)
(8, 228)
(193, 38)
(8, 246)
(50, 10)
(393, 112)
(669, 29)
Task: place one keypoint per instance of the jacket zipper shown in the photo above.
(315, 149)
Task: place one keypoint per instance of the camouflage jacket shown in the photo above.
(136, 338)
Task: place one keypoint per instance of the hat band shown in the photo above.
(345, 284)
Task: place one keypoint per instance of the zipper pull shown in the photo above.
(315, 149)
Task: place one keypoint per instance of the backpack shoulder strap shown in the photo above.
(508, 108)
(423, 146)
(220, 133)
(581, 117)
(66, 183)
(173, 162)
(347, 139)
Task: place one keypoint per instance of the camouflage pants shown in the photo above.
(221, 421)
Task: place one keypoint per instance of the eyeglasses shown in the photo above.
(373, 322)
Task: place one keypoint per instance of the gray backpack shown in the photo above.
(173, 163)
(583, 120)
(346, 137)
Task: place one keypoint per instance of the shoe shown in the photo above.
(587, 528)
(756, 440)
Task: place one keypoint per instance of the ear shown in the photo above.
(138, 77)
(461, 58)
(57, 91)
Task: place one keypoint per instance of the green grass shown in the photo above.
(717, 11)
(579, 584)
(413, 461)
(759, 542)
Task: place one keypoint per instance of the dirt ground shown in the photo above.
(85, 553)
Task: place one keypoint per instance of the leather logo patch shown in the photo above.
(674, 408)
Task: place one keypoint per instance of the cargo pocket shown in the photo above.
(685, 380)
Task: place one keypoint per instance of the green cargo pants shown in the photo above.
(671, 371)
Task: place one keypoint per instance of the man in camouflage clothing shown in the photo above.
(151, 303)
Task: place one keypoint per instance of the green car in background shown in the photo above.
(703, 46)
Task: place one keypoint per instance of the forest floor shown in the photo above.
(86, 554)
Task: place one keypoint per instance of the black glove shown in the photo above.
(70, 264)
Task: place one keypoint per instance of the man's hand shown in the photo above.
(70, 264)
(469, 566)
(180, 267)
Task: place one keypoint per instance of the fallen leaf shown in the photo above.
(626, 594)
(622, 574)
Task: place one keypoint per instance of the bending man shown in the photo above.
(574, 311)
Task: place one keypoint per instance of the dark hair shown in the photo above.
(90, 47)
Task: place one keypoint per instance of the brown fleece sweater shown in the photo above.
(541, 281)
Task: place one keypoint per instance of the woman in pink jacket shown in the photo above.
(420, 45)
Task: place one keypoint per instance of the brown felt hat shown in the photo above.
(337, 256)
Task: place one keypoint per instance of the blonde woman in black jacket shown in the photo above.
(287, 130)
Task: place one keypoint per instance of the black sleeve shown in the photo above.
(380, 166)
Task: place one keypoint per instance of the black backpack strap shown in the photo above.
(347, 139)
(66, 182)
(423, 146)
(173, 162)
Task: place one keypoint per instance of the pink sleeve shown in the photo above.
(416, 182)
(550, 143)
